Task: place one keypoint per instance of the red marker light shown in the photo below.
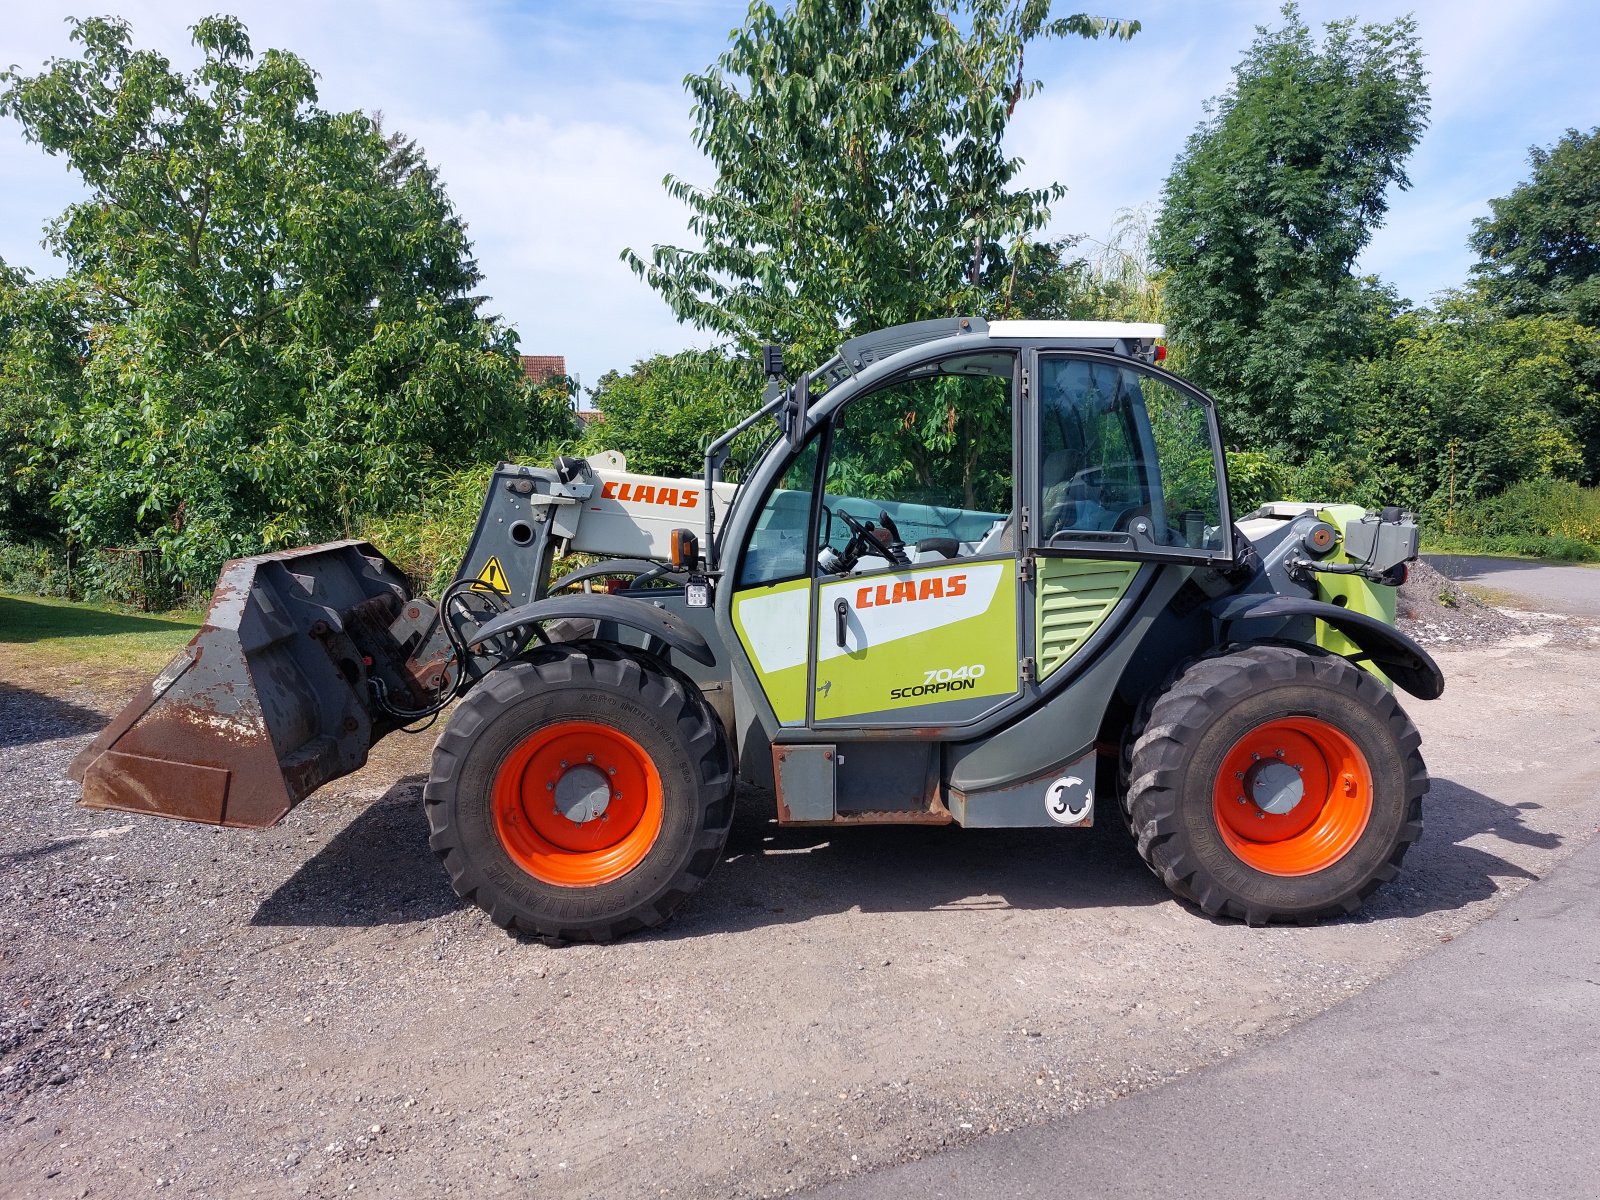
(1161, 354)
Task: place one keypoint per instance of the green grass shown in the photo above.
(66, 633)
(1533, 546)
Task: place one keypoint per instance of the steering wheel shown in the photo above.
(861, 542)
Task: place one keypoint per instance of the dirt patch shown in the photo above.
(308, 1010)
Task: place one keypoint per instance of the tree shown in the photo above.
(1269, 205)
(664, 412)
(271, 301)
(41, 357)
(861, 179)
(1469, 402)
(1540, 248)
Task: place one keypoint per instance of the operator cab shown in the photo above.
(921, 468)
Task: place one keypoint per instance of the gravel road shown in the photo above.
(309, 1011)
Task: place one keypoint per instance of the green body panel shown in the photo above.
(1075, 596)
(971, 656)
(774, 624)
(1352, 592)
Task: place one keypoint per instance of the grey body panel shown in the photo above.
(648, 619)
(1407, 663)
(1027, 802)
(1074, 708)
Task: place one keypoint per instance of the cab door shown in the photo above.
(915, 607)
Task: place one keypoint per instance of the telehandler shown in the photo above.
(981, 573)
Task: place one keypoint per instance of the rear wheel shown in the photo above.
(581, 794)
(1275, 784)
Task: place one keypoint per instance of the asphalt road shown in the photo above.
(1550, 587)
(1472, 1072)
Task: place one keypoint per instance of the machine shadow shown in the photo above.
(28, 718)
(1441, 872)
(773, 875)
(379, 870)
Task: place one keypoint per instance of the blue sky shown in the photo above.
(553, 124)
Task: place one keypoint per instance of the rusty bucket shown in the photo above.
(272, 699)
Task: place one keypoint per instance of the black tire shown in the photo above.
(642, 700)
(1188, 734)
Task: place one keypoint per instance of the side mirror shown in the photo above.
(792, 415)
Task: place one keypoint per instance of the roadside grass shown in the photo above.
(1529, 546)
(86, 637)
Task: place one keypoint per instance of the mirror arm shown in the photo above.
(717, 454)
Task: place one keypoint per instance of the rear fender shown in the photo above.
(1391, 651)
(649, 620)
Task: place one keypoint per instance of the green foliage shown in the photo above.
(1540, 250)
(1269, 205)
(1118, 280)
(427, 541)
(861, 180)
(266, 306)
(1541, 508)
(1254, 478)
(941, 439)
(665, 411)
(1468, 405)
(40, 353)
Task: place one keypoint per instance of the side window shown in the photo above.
(1125, 457)
(779, 547)
(932, 452)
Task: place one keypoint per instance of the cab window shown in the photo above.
(780, 545)
(1126, 458)
(923, 465)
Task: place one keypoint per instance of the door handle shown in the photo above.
(841, 618)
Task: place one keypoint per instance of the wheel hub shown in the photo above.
(582, 793)
(577, 803)
(1293, 795)
(1274, 785)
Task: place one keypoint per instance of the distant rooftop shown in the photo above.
(540, 367)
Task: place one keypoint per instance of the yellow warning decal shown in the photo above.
(492, 578)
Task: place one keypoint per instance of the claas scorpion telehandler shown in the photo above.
(981, 573)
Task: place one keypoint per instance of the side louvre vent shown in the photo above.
(1075, 596)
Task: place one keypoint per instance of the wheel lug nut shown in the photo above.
(1238, 774)
(590, 757)
(611, 770)
(1279, 753)
(563, 764)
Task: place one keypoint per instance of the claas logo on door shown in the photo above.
(648, 493)
(937, 587)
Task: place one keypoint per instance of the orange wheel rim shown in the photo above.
(577, 804)
(1293, 796)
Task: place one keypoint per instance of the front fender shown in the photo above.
(624, 610)
(1400, 658)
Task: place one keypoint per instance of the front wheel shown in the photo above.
(1276, 784)
(580, 794)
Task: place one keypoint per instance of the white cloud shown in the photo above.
(550, 206)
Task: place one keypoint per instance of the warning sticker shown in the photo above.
(492, 578)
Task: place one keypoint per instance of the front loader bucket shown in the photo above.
(269, 701)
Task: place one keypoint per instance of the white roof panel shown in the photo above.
(1098, 330)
